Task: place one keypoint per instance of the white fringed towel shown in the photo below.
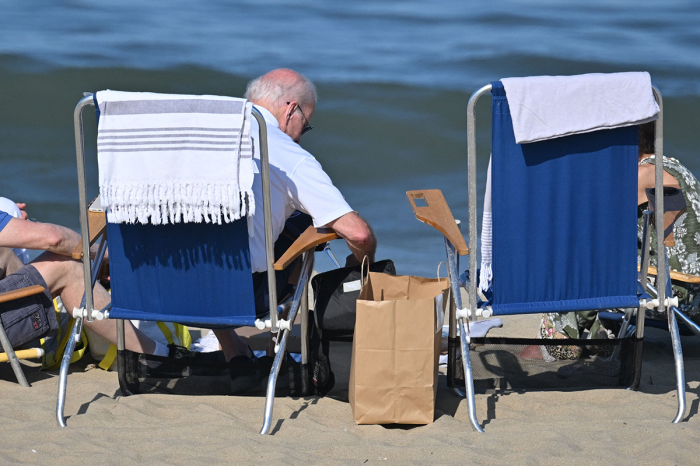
(546, 107)
(166, 158)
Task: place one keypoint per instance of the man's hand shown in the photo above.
(22, 206)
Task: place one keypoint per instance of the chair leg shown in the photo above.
(453, 273)
(306, 389)
(678, 358)
(283, 335)
(14, 362)
(676, 343)
(468, 379)
(452, 348)
(127, 386)
(272, 383)
(63, 375)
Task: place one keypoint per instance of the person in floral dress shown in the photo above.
(683, 257)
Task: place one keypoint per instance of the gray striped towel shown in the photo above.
(167, 158)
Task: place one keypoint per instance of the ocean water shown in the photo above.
(393, 78)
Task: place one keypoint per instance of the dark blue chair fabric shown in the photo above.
(564, 219)
(194, 273)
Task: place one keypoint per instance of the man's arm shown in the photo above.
(358, 234)
(44, 236)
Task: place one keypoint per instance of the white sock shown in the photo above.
(161, 350)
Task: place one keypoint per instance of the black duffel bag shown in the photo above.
(332, 327)
(335, 294)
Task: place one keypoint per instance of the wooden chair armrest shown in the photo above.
(21, 293)
(681, 277)
(97, 222)
(311, 238)
(437, 214)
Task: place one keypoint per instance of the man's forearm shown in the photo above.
(42, 236)
(358, 234)
(62, 240)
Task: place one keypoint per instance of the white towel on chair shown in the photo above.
(546, 107)
(167, 158)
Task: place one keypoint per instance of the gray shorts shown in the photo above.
(31, 317)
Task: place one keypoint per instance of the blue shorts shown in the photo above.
(31, 317)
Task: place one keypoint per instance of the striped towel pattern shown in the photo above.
(174, 158)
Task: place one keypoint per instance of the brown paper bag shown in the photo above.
(396, 347)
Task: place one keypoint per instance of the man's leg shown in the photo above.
(232, 344)
(64, 277)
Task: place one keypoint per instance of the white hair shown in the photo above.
(279, 92)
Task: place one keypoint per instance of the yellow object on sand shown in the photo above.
(31, 353)
(173, 333)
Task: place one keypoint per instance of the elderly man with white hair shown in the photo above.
(287, 101)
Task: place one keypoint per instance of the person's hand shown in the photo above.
(22, 206)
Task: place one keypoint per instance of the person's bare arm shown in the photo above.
(358, 234)
(34, 235)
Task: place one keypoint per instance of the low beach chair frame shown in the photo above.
(461, 316)
(93, 226)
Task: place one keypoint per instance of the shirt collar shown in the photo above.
(269, 117)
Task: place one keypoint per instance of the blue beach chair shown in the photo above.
(193, 273)
(564, 232)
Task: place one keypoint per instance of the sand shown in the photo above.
(606, 426)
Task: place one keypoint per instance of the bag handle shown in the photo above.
(362, 271)
(446, 270)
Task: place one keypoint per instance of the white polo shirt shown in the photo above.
(297, 182)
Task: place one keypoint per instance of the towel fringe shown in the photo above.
(485, 277)
(176, 203)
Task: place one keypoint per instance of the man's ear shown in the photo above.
(291, 108)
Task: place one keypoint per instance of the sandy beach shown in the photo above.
(610, 426)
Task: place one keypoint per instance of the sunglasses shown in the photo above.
(307, 127)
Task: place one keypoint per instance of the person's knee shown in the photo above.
(9, 262)
(59, 271)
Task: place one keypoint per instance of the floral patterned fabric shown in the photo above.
(683, 257)
(568, 325)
